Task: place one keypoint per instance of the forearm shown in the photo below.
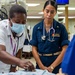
(19, 54)
(36, 56)
(8, 59)
(59, 58)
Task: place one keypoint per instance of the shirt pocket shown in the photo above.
(57, 37)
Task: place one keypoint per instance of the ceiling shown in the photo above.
(33, 11)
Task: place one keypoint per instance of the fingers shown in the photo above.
(60, 70)
(49, 69)
(29, 66)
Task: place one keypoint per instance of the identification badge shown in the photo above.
(56, 35)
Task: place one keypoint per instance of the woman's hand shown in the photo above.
(43, 67)
(50, 69)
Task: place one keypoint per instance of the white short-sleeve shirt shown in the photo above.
(12, 46)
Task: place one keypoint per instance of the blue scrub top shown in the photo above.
(46, 46)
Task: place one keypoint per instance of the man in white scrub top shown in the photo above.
(12, 39)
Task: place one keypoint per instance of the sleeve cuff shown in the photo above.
(32, 42)
(65, 42)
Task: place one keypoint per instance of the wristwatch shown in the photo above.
(51, 67)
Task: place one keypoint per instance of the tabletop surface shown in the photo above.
(23, 72)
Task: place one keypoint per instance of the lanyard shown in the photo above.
(13, 47)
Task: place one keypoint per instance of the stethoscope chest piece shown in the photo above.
(43, 37)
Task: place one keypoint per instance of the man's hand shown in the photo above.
(27, 65)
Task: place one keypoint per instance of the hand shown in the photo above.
(43, 67)
(26, 65)
(49, 69)
(30, 67)
(46, 68)
(60, 72)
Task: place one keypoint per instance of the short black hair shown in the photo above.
(50, 2)
(16, 9)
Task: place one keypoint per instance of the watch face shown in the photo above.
(51, 67)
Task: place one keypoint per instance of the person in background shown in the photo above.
(27, 39)
(49, 40)
(12, 39)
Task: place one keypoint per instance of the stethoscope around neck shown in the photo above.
(51, 37)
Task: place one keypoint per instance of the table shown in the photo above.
(22, 72)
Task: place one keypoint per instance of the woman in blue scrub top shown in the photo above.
(49, 40)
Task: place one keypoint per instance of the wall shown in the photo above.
(33, 22)
(72, 26)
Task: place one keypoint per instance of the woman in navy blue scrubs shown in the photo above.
(49, 40)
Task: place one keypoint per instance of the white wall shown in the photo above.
(71, 25)
(33, 22)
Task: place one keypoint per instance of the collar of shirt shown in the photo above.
(41, 24)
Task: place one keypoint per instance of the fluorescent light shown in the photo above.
(34, 17)
(32, 4)
(57, 12)
(40, 12)
(61, 8)
(70, 17)
(69, 8)
(61, 17)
